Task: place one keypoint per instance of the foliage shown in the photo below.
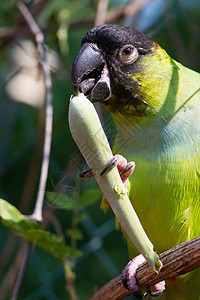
(63, 201)
(31, 231)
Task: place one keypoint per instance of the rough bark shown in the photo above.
(176, 261)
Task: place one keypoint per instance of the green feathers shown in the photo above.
(155, 102)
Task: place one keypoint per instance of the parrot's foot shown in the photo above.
(125, 169)
(86, 174)
(129, 279)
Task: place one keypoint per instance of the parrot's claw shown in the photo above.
(111, 164)
(154, 294)
(140, 296)
(146, 293)
(129, 279)
(125, 169)
(86, 174)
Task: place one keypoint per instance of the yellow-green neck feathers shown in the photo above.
(163, 87)
(169, 123)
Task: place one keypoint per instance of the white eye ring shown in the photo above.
(127, 54)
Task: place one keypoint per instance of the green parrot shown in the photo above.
(155, 103)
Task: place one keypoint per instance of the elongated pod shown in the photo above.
(89, 136)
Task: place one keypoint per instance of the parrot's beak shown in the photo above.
(90, 74)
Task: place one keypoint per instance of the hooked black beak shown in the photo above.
(90, 74)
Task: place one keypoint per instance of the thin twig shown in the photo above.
(125, 11)
(101, 12)
(176, 261)
(9, 279)
(35, 9)
(114, 15)
(37, 214)
(7, 252)
(49, 217)
(22, 270)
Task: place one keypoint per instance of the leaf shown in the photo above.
(90, 197)
(9, 212)
(66, 202)
(60, 200)
(34, 233)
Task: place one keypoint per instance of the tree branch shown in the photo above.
(22, 270)
(37, 214)
(125, 11)
(176, 261)
(101, 12)
(114, 15)
(35, 9)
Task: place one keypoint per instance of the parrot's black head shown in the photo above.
(105, 66)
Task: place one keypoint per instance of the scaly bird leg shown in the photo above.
(129, 279)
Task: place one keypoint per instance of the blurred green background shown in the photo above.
(175, 25)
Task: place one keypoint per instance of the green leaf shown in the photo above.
(34, 233)
(9, 212)
(90, 197)
(61, 200)
(66, 202)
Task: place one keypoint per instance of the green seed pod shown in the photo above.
(90, 138)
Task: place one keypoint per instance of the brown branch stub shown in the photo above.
(176, 261)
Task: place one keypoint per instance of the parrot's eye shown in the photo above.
(127, 54)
